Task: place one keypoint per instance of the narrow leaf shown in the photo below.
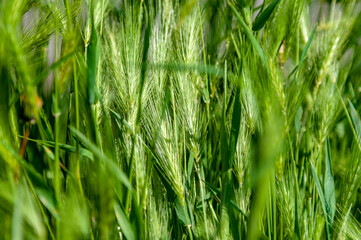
(329, 186)
(67, 148)
(304, 52)
(307, 47)
(322, 198)
(17, 221)
(251, 37)
(48, 200)
(355, 119)
(236, 123)
(123, 222)
(111, 166)
(182, 212)
(319, 188)
(92, 61)
(216, 191)
(234, 205)
(189, 169)
(264, 16)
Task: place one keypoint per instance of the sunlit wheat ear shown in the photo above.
(124, 59)
(124, 41)
(241, 162)
(242, 167)
(158, 223)
(161, 135)
(346, 225)
(188, 86)
(286, 198)
(249, 100)
(326, 109)
(336, 33)
(352, 179)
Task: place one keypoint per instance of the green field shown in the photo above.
(180, 119)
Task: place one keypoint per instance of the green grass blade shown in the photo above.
(236, 123)
(321, 196)
(234, 205)
(261, 20)
(17, 221)
(123, 222)
(355, 120)
(189, 169)
(216, 191)
(92, 62)
(48, 200)
(318, 187)
(308, 44)
(251, 37)
(329, 185)
(111, 166)
(182, 212)
(65, 147)
(304, 52)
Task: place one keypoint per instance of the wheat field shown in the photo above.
(180, 119)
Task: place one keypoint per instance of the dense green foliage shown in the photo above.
(180, 119)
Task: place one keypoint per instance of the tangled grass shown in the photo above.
(180, 119)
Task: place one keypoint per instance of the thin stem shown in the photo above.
(77, 155)
(56, 115)
(348, 117)
(102, 18)
(25, 140)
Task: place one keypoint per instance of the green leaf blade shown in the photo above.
(92, 62)
(329, 186)
(319, 188)
(264, 16)
(308, 44)
(236, 123)
(111, 166)
(322, 198)
(123, 222)
(355, 119)
(251, 37)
